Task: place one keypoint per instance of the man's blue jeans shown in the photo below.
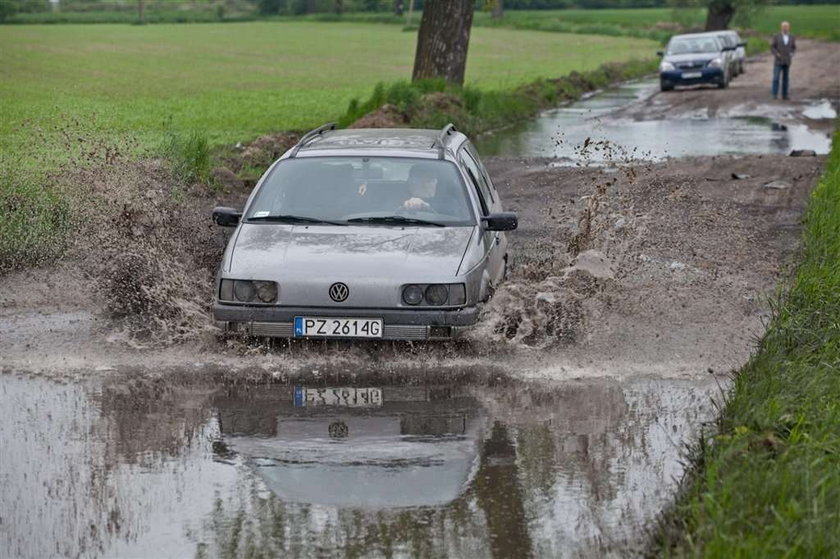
(785, 72)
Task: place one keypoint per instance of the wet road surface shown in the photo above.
(419, 464)
(561, 133)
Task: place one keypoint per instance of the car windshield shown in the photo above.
(693, 45)
(370, 191)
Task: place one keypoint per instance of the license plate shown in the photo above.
(344, 397)
(307, 327)
(691, 75)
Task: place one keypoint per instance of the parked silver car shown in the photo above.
(367, 233)
(740, 53)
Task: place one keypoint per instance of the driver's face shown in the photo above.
(424, 187)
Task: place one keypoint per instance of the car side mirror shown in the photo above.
(742, 45)
(504, 221)
(660, 53)
(226, 217)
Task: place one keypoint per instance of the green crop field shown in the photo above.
(821, 21)
(237, 80)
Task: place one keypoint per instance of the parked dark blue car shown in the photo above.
(698, 58)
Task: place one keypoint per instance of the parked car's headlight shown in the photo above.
(665, 66)
(716, 62)
(435, 294)
(248, 291)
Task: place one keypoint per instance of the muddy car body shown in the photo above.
(695, 59)
(386, 234)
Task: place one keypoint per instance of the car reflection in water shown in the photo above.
(360, 447)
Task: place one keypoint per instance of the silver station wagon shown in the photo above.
(370, 233)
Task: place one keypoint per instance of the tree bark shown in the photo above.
(719, 15)
(443, 40)
(339, 7)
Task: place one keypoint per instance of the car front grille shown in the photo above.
(690, 65)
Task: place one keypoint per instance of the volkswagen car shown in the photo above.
(694, 59)
(394, 234)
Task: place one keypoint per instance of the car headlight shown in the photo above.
(666, 66)
(435, 294)
(248, 291)
(716, 62)
(413, 295)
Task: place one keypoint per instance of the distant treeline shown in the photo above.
(225, 8)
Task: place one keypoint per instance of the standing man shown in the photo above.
(782, 47)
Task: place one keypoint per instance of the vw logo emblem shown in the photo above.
(339, 292)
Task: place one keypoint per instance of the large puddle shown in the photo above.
(431, 464)
(588, 131)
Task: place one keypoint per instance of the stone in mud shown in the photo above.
(265, 149)
(803, 153)
(589, 270)
(227, 179)
(386, 116)
(777, 185)
(595, 263)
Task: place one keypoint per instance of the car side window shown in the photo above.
(474, 173)
(484, 176)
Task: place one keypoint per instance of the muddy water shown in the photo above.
(426, 465)
(561, 133)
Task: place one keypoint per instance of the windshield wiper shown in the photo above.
(395, 220)
(293, 219)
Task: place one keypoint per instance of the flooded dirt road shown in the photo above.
(462, 464)
(558, 429)
(643, 123)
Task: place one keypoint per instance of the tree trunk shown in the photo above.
(398, 7)
(311, 6)
(719, 15)
(141, 8)
(339, 7)
(498, 9)
(443, 39)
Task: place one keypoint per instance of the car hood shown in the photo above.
(266, 250)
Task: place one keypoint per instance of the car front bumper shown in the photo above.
(398, 324)
(707, 75)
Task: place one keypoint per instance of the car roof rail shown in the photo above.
(311, 135)
(443, 138)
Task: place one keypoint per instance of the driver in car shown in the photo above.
(422, 188)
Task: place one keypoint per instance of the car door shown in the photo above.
(495, 242)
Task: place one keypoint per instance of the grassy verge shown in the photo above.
(768, 485)
(35, 218)
(432, 104)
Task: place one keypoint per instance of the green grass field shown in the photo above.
(235, 81)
